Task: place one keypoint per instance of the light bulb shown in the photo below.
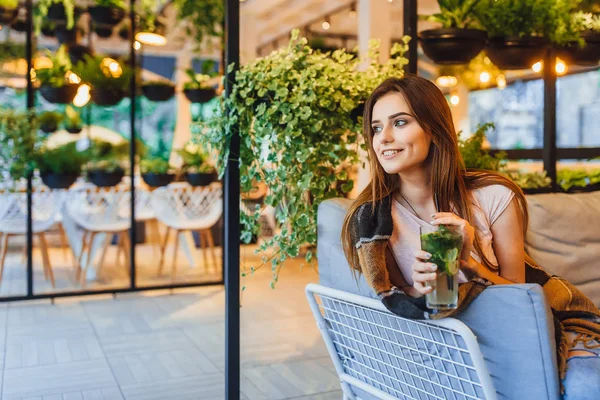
(454, 99)
(82, 97)
(560, 67)
(537, 67)
(151, 39)
(352, 14)
(446, 81)
(137, 45)
(501, 82)
(72, 77)
(484, 77)
(326, 25)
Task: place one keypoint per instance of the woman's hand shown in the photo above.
(423, 272)
(464, 228)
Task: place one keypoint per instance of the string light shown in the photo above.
(352, 12)
(82, 97)
(537, 67)
(137, 45)
(560, 67)
(454, 99)
(446, 81)
(111, 68)
(326, 24)
(72, 77)
(501, 81)
(484, 77)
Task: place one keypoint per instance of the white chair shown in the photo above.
(182, 208)
(379, 355)
(100, 211)
(46, 204)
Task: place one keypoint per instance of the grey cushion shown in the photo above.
(512, 323)
(564, 238)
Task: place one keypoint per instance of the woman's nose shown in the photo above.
(386, 136)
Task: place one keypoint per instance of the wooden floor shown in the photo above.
(152, 346)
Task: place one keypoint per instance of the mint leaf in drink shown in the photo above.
(444, 247)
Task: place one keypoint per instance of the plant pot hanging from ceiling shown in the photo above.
(103, 31)
(8, 15)
(588, 55)
(106, 97)
(57, 13)
(200, 178)
(200, 95)
(106, 15)
(58, 181)
(59, 95)
(103, 178)
(516, 52)
(19, 25)
(67, 36)
(158, 180)
(158, 91)
(451, 45)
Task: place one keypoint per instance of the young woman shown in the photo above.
(413, 153)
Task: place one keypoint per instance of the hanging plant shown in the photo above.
(73, 122)
(158, 90)
(197, 90)
(156, 172)
(470, 74)
(109, 79)
(580, 41)
(57, 83)
(9, 9)
(49, 121)
(204, 19)
(293, 111)
(516, 30)
(60, 166)
(18, 138)
(58, 11)
(107, 12)
(196, 166)
(457, 42)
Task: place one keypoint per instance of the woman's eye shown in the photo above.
(400, 122)
(376, 129)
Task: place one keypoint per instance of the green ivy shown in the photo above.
(293, 111)
(204, 19)
(18, 138)
(455, 14)
(515, 17)
(475, 156)
(55, 75)
(65, 159)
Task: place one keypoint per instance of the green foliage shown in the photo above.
(111, 3)
(9, 4)
(469, 73)
(567, 178)
(73, 118)
(41, 11)
(444, 246)
(530, 180)
(475, 156)
(293, 110)
(564, 24)
(204, 19)
(515, 17)
(194, 159)
(11, 51)
(96, 72)
(199, 81)
(18, 137)
(63, 159)
(50, 117)
(154, 166)
(61, 64)
(455, 14)
(110, 157)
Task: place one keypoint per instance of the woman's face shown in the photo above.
(399, 141)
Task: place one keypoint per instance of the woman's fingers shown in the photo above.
(422, 255)
(421, 288)
(448, 221)
(422, 267)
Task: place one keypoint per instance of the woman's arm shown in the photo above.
(509, 244)
(396, 276)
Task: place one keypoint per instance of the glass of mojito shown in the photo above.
(444, 243)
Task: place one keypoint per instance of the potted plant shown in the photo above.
(108, 78)
(292, 110)
(578, 180)
(73, 123)
(456, 42)
(516, 30)
(156, 172)
(197, 90)
(158, 90)
(49, 121)
(198, 172)
(62, 12)
(107, 12)
(19, 24)
(60, 166)
(18, 137)
(67, 36)
(48, 29)
(475, 156)
(106, 161)
(124, 30)
(103, 31)
(9, 9)
(56, 81)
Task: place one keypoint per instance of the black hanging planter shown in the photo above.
(452, 46)
(516, 52)
(66, 36)
(49, 127)
(74, 129)
(56, 13)
(200, 95)
(58, 181)
(158, 180)
(158, 92)
(106, 15)
(124, 33)
(8, 15)
(200, 178)
(106, 97)
(49, 30)
(19, 25)
(59, 95)
(103, 31)
(103, 178)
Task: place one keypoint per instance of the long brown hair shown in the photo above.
(450, 179)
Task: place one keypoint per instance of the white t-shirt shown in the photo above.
(489, 203)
